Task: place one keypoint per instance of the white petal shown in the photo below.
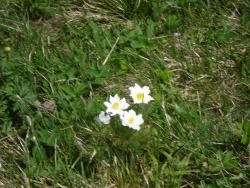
(137, 86)
(102, 118)
(116, 98)
(124, 104)
(146, 90)
(147, 98)
(107, 104)
(136, 127)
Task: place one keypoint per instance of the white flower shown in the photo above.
(102, 118)
(140, 94)
(176, 34)
(132, 120)
(116, 105)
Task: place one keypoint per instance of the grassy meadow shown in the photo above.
(61, 60)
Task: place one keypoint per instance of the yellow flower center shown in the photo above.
(116, 106)
(139, 96)
(131, 120)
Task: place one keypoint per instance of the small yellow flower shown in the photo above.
(7, 49)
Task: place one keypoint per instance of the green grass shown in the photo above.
(59, 62)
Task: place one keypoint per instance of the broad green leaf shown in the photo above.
(228, 156)
(68, 90)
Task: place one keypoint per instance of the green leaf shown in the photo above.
(216, 168)
(213, 162)
(243, 130)
(48, 137)
(95, 28)
(74, 30)
(98, 81)
(137, 44)
(230, 164)
(172, 21)
(228, 156)
(219, 155)
(81, 89)
(122, 68)
(245, 139)
(71, 72)
(150, 29)
(223, 36)
(164, 75)
(185, 162)
(155, 162)
(38, 154)
(68, 90)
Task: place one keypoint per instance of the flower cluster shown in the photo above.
(118, 106)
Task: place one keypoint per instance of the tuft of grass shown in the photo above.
(59, 62)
